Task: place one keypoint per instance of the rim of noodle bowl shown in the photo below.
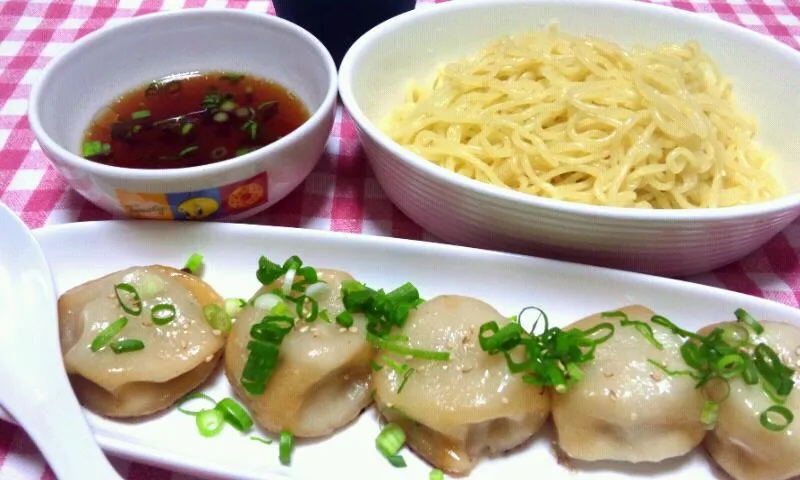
(785, 202)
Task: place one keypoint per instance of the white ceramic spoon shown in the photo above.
(33, 385)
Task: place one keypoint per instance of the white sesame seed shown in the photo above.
(216, 332)
(209, 358)
(504, 400)
(353, 329)
(342, 329)
(304, 329)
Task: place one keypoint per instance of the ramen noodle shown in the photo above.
(582, 120)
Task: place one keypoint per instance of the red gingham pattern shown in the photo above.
(341, 194)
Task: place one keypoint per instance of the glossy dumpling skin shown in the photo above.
(454, 412)
(739, 443)
(177, 357)
(323, 378)
(626, 409)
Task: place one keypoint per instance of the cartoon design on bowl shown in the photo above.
(245, 196)
(198, 205)
(198, 208)
(145, 205)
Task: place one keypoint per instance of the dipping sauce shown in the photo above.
(192, 119)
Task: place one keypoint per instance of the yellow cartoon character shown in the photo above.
(198, 208)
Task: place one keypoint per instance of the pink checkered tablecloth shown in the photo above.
(340, 195)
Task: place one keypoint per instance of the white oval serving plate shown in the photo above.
(83, 251)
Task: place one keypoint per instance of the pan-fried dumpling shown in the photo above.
(322, 380)
(177, 356)
(625, 408)
(455, 411)
(739, 443)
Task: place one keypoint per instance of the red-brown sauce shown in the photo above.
(191, 120)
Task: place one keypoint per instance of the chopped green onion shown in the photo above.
(252, 129)
(245, 150)
(501, 339)
(189, 398)
(724, 354)
(344, 319)
(217, 318)
(186, 128)
(228, 106)
(384, 311)
(140, 114)
(671, 373)
(221, 117)
(710, 414)
(107, 334)
(750, 372)
(643, 328)
(397, 337)
(94, 148)
(267, 271)
(126, 345)
(219, 152)
(323, 315)
(735, 335)
(210, 422)
(234, 305)
(774, 373)
(406, 375)
(163, 313)
(316, 290)
(730, 365)
(285, 447)
(748, 320)
(150, 285)
(405, 350)
(211, 100)
(718, 389)
(780, 411)
(376, 367)
(265, 441)
(188, 150)
(194, 263)
(664, 322)
(267, 301)
(436, 474)
(261, 362)
(235, 414)
(266, 337)
(131, 306)
(551, 358)
(267, 105)
(390, 440)
(300, 308)
(232, 77)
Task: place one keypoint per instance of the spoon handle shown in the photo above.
(56, 424)
(35, 389)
